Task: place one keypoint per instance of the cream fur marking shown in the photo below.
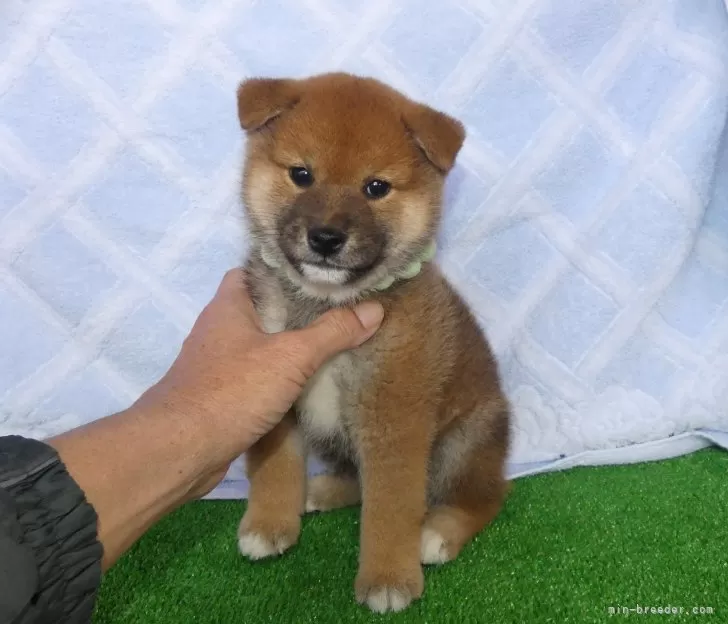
(320, 403)
(274, 321)
(387, 599)
(415, 217)
(255, 546)
(272, 314)
(324, 275)
(448, 455)
(258, 194)
(432, 548)
(312, 505)
(268, 258)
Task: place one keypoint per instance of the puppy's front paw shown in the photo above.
(255, 546)
(259, 538)
(389, 591)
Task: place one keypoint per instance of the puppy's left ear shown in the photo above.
(438, 135)
(260, 100)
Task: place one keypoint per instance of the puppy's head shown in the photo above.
(343, 178)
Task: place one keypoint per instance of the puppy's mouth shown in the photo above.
(328, 271)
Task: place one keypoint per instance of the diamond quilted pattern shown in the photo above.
(120, 40)
(420, 26)
(64, 272)
(135, 203)
(46, 114)
(585, 220)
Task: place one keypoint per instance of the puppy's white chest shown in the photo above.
(320, 404)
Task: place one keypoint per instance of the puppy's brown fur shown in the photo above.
(413, 423)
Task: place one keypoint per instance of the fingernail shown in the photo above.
(370, 314)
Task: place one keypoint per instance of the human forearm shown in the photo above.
(135, 467)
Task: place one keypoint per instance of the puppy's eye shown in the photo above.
(376, 189)
(301, 176)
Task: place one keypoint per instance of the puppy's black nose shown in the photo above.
(326, 240)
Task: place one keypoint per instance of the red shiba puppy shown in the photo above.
(342, 187)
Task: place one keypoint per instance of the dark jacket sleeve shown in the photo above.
(50, 556)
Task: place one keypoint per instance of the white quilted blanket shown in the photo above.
(587, 220)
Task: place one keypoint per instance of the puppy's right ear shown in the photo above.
(261, 100)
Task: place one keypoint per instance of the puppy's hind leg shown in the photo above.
(471, 503)
(332, 491)
(338, 487)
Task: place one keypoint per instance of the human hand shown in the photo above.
(236, 382)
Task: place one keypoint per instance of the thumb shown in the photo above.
(340, 329)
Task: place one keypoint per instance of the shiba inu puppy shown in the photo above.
(342, 187)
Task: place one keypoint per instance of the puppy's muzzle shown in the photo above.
(332, 234)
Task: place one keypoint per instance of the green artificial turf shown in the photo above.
(566, 548)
